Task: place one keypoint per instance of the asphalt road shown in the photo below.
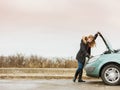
(54, 84)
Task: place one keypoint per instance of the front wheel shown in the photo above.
(111, 74)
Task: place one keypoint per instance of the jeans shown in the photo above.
(79, 71)
(80, 66)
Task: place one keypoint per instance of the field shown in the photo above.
(21, 61)
(20, 66)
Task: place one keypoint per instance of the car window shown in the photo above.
(99, 48)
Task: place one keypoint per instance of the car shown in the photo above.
(106, 65)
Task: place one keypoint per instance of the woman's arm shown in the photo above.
(96, 35)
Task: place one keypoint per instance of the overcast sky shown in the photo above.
(53, 28)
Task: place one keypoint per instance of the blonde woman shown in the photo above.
(85, 51)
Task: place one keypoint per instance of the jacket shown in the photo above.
(85, 50)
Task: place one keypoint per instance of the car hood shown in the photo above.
(107, 43)
(117, 51)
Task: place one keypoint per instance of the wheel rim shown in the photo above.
(112, 75)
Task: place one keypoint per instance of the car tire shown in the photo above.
(111, 74)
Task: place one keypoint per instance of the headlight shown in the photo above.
(93, 59)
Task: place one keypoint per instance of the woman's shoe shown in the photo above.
(81, 81)
(74, 79)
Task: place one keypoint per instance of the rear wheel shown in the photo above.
(111, 74)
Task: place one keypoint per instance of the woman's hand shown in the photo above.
(99, 33)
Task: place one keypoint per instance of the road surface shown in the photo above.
(60, 84)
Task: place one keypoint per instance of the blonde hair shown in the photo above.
(93, 43)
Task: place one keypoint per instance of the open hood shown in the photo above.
(107, 43)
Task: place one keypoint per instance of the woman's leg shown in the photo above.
(80, 66)
(81, 73)
(80, 76)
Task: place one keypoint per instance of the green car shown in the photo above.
(105, 65)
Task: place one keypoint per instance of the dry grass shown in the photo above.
(21, 61)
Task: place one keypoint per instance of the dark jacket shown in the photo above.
(85, 50)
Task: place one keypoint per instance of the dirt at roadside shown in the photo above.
(38, 73)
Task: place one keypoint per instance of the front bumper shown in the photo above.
(91, 71)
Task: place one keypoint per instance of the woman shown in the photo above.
(85, 51)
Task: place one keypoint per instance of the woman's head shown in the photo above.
(90, 38)
(91, 41)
